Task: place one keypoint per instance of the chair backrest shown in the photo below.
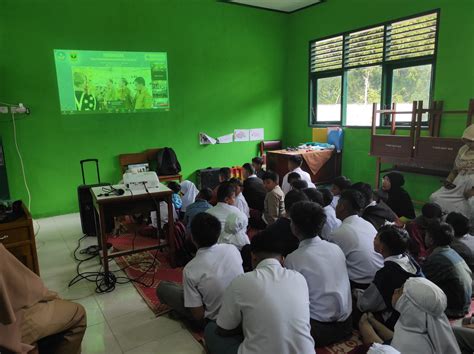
(268, 145)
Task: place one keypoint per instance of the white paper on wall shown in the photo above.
(257, 134)
(241, 135)
(205, 139)
(225, 139)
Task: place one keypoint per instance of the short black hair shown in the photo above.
(354, 199)
(293, 176)
(432, 211)
(249, 168)
(266, 242)
(394, 238)
(225, 190)
(293, 197)
(342, 182)
(236, 181)
(308, 217)
(441, 233)
(327, 196)
(459, 222)
(205, 193)
(299, 184)
(366, 191)
(296, 159)
(205, 229)
(140, 80)
(225, 173)
(258, 160)
(271, 175)
(314, 195)
(174, 186)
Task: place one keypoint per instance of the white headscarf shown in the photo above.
(423, 327)
(235, 230)
(190, 192)
(469, 133)
(377, 348)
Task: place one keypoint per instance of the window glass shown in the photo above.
(328, 106)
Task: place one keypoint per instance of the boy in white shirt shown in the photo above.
(324, 267)
(205, 277)
(263, 311)
(332, 222)
(356, 236)
(240, 201)
(339, 184)
(294, 165)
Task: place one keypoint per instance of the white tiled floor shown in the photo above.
(118, 322)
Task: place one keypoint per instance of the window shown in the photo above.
(389, 63)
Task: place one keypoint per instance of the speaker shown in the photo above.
(208, 177)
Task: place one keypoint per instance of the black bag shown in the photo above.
(167, 162)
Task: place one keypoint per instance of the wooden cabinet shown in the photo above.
(18, 237)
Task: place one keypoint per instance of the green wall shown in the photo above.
(226, 66)
(454, 77)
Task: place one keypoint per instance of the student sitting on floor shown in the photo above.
(391, 242)
(339, 185)
(314, 195)
(263, 311)
(199, 206)
(447, 269)
(189, 193)
(324, 267)
(274, 205)
(356, 236)
(30, 314)
(257, 164)
(235, 231)
(294, 165)
(430, 213)
(281, 228)
(253, 189)
(175, 198)
(240, 201)
(225, 204)
(422, 326)
(378, 214)
(398, 198)
(205, 277)
(299, 185)
(332, 222)
(225, 174)
(463, 243)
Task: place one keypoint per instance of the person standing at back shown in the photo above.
(253, 189)
(294, 165)
(274, 205)
(356, 236)
(319, 261)
(263, 311)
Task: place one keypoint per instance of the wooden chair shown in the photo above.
(147, 156)
(269, 145)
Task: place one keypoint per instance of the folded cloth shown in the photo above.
(317, 159)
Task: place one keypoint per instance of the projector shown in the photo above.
(139, 180)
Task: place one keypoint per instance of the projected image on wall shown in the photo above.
(111, 82)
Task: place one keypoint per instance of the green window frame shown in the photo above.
(408, 42)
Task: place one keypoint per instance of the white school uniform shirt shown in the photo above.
(272, 304)
(242, 205)
(208, 274)
(286, 187)
(356, 236)
(335, 200)
(332, 222)
(222, 211)
(324, 267)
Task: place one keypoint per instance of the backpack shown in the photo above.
(182, 252)
(167, 162)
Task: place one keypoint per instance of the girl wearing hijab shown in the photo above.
(398, 198)
(189, 193)
(457, 194)
(422, 327)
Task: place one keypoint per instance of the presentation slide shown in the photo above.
(111, 82)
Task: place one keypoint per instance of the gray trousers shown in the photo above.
(217, 344)
(465, 338)
(172, 294)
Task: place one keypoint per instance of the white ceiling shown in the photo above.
(279, 5)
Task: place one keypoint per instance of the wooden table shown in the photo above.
(132, 202)
(278, 161)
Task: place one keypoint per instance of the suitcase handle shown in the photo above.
(82, 169)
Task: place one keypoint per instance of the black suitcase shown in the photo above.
(86, 207)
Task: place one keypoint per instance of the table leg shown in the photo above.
(377, 173)
(103, 241)
(171, 235)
